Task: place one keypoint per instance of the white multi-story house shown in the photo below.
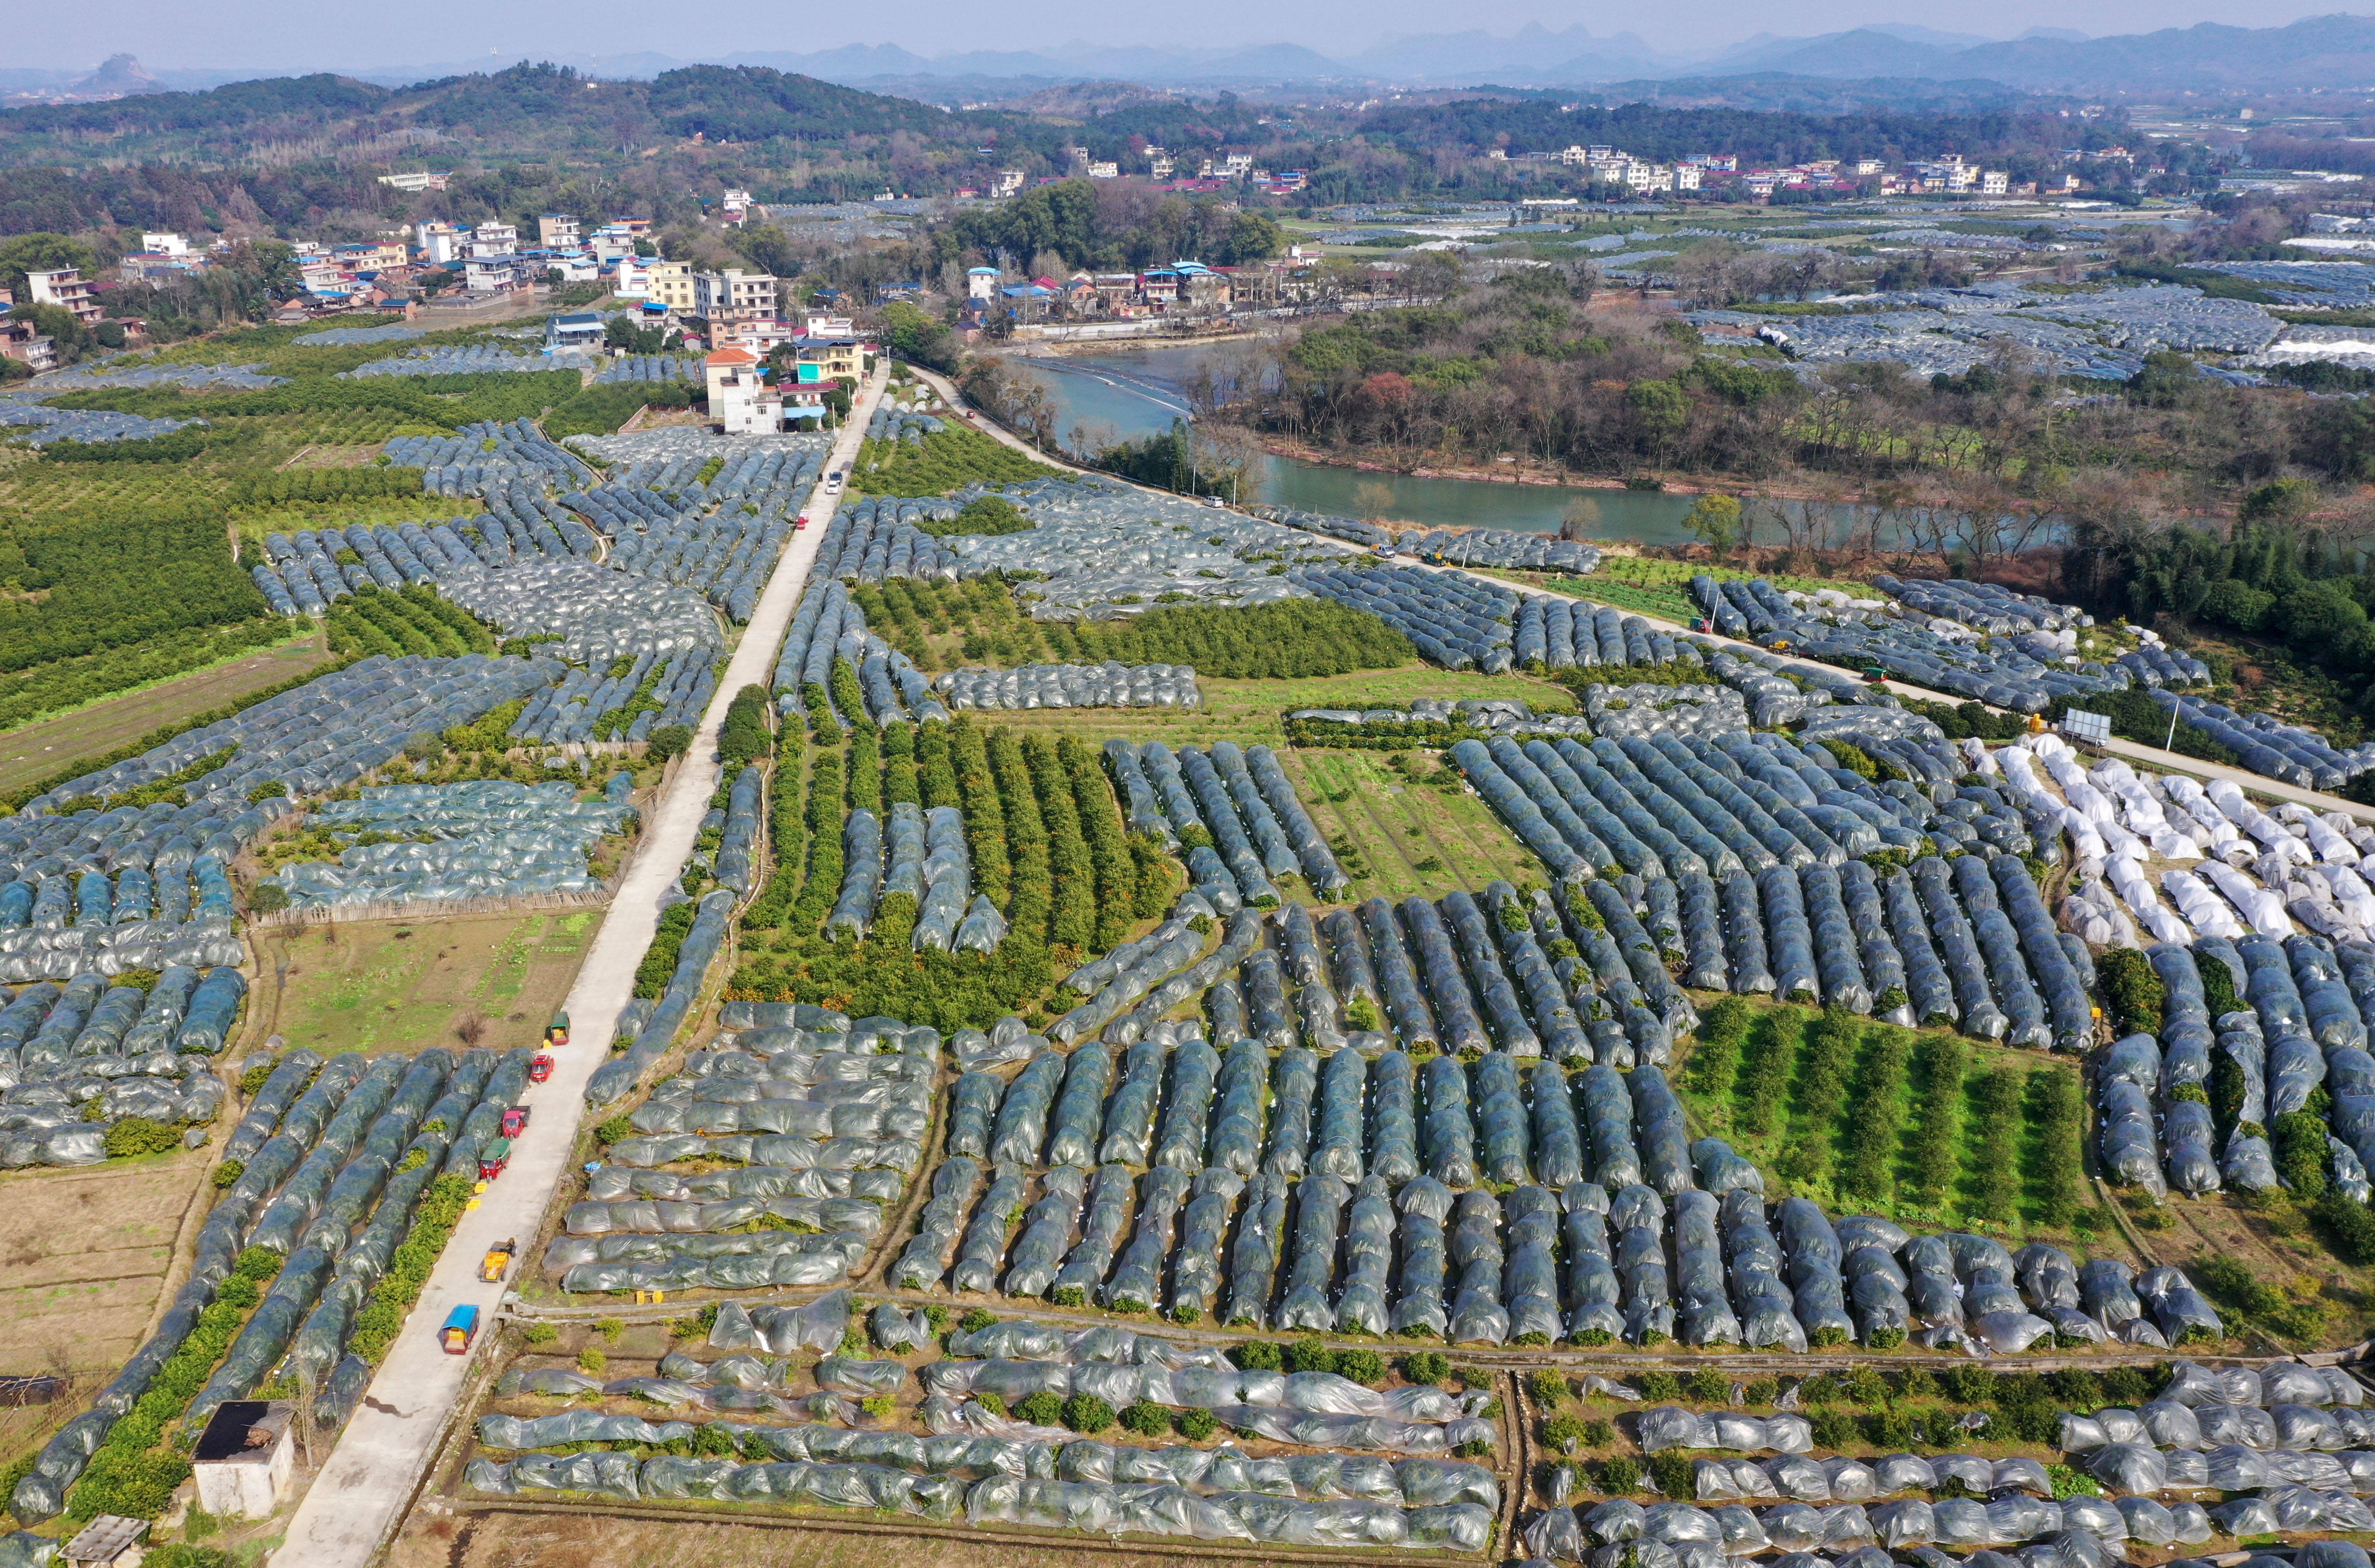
(733, 296)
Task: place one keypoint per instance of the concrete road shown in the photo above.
(367, 1480)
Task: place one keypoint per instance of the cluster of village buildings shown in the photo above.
(1952, 174)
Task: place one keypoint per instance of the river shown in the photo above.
(1120, 394)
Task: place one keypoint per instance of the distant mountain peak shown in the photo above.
(120, 74)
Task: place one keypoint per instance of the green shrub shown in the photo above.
(229, 1171)
(1147, 1418)
(2299, 1139)
(1660, 1387)
(1195, 1425)
(667, 741)
(1671, 1473)
(2349, 1227)
(1260, 1355)
(1361, 1365)
(1619, 1477)
(1042, 1409)
(136, 1135)
(1087, 1414)
(2133, 992)
(1564, 1433)
(1422, 1367)
(976, 1320)
(1308, 1355)
(539, 1333)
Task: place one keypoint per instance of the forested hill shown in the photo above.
(524, 110)
(1662, 133)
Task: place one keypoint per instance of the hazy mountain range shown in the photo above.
(2336, 50)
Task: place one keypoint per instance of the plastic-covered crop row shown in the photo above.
(873, 538)
(616, 1078)
(1457, 622)
(2080, 1530)
(649, 367)
(2302, 1033)
(598, 614)
(1939, 653)
(464, 359)
(318, 1162)
(1100, 548)
(676, 689)
(462, 463)
(1504, 715)
(1239, 799)
(488, 839)
(2268, 746)
(1506, 549)
(1697, 712)
(1102, 1508)
(1108, 685)
(828, 626)
(317, 738)
(826, 1124)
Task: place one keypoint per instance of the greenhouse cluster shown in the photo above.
(1361, 1189)
(722, 537)
(823, 1123)
(897, 424)
(2270, 747)
(2259, 871)
(1108, 685)
(588, 614)
(922, 854)
(1438, 718)
(658, 690)
(649, 367)
(490, 839)
(2023, 673)
(1985, 608)
(1781, 908)
(107, 375)
(1456, 621)
(948, 1493)
(37, 424)
(1507, 549)
(648, 1025)
(468, 359)
(873, 537)
(2303, 1033)
(1695, 711)
(99, 890)
(1564, 634)
(1233, 809)
(326, 1176)
(1103, 551)
(76, 1058)
(475, 457)
(358, 337)
(828, 625)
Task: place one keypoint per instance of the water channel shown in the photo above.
(1124, 394)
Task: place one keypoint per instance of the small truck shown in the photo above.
(541, 1068)
(515, 1120)
(493, 1158)
(461, 1327)
(497, 1261)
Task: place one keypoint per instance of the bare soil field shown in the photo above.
(45, 747)
(568, 1537)
(85, 1257)
(407, 984)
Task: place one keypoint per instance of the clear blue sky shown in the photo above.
(276, 37)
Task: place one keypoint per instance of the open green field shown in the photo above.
(407, 984)
(47, 745)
